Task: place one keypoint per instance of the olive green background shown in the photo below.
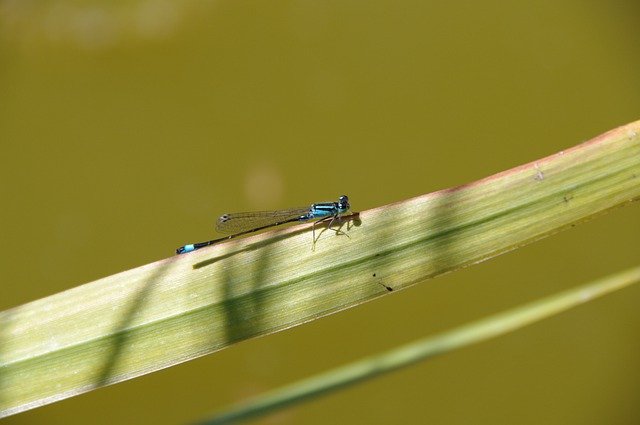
(126, 128)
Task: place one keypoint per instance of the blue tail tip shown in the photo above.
(185, 249)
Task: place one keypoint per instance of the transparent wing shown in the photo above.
(241, 222)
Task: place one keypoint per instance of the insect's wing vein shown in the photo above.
(241, 222)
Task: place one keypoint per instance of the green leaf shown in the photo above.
(174, 310)
(480, 330)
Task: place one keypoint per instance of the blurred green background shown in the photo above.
(127, 127)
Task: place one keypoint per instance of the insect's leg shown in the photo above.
(319, 234)
(338, 230)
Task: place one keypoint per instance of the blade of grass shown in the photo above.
(478, 331)
(164, 313)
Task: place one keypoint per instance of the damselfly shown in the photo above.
(238, 224)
